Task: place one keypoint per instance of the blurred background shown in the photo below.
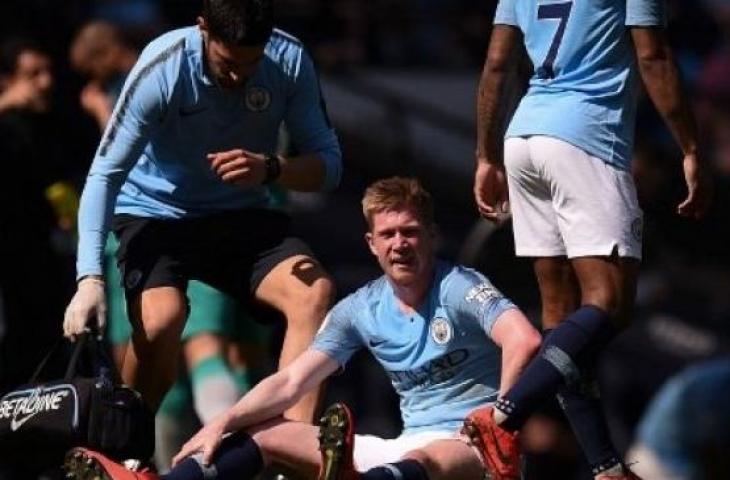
(399, 78)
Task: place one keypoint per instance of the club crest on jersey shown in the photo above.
(482, 293)
(258, 99)
(441, 330)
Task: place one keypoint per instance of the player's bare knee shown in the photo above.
(161, 325)
(430, 464)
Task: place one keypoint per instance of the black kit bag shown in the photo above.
(40, 422)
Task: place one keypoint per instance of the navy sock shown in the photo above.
(238, 457)
(404, 470)
(571, 347)
(582, 406)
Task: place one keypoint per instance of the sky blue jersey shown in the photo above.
(151, 160)
(584, 86)
(440, 360)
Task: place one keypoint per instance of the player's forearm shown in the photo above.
(514, 360)
(277, 393)
(662, 81)
(311, 172)
(491, 89)
(498, 67)
(268, 399)
(95, 211)
(519, 342)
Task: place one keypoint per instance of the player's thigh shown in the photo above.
(158, 314)
(534, 222)
(151, 274)
(449, 459)
(296, 284)
(370, 451)
(596, 204)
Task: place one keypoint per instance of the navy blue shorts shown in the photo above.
(231, 251)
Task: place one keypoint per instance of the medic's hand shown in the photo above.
(89, 301)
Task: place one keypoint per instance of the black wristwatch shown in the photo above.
(272, 163)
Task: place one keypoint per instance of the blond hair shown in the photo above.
(395, 193)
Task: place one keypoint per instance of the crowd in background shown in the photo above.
(683, 304)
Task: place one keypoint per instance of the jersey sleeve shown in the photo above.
(475, 297)
(309, 124)
(646, 13)
(139, 110)
(338, 338)
(505, 13)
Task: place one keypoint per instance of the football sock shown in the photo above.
(570, 348)
(582, 406)
(403, 470)
(237, 458)
(242, 377)
(215, 388)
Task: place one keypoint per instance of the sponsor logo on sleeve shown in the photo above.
(482, 293)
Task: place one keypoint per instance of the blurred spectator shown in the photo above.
(684, 434)
(99, 52)
(33, 284)
(31, 272)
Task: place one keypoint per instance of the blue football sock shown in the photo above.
(404, 470)
(571, 347)
(238, 458)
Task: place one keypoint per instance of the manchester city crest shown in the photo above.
(258, 99)
(441, 330)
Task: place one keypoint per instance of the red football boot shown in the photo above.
(84, 464)
(628, 475)
(336, 441)
(499, 448)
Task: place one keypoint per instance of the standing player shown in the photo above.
(184, 167)
(100, 53)
(437, 328)
(567, 164)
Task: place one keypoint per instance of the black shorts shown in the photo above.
(231, 251)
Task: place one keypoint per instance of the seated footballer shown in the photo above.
(448, 339)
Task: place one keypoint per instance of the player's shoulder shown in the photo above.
(367, 297)
(456, 276)
(169, 44)
(286, 51)
(372, 292)
(461, 284)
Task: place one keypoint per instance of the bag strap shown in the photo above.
(102, 362)
(81, 341)
(78, 348)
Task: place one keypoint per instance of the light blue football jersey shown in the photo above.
(585, 82)
(440, 359)
(151, 161)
